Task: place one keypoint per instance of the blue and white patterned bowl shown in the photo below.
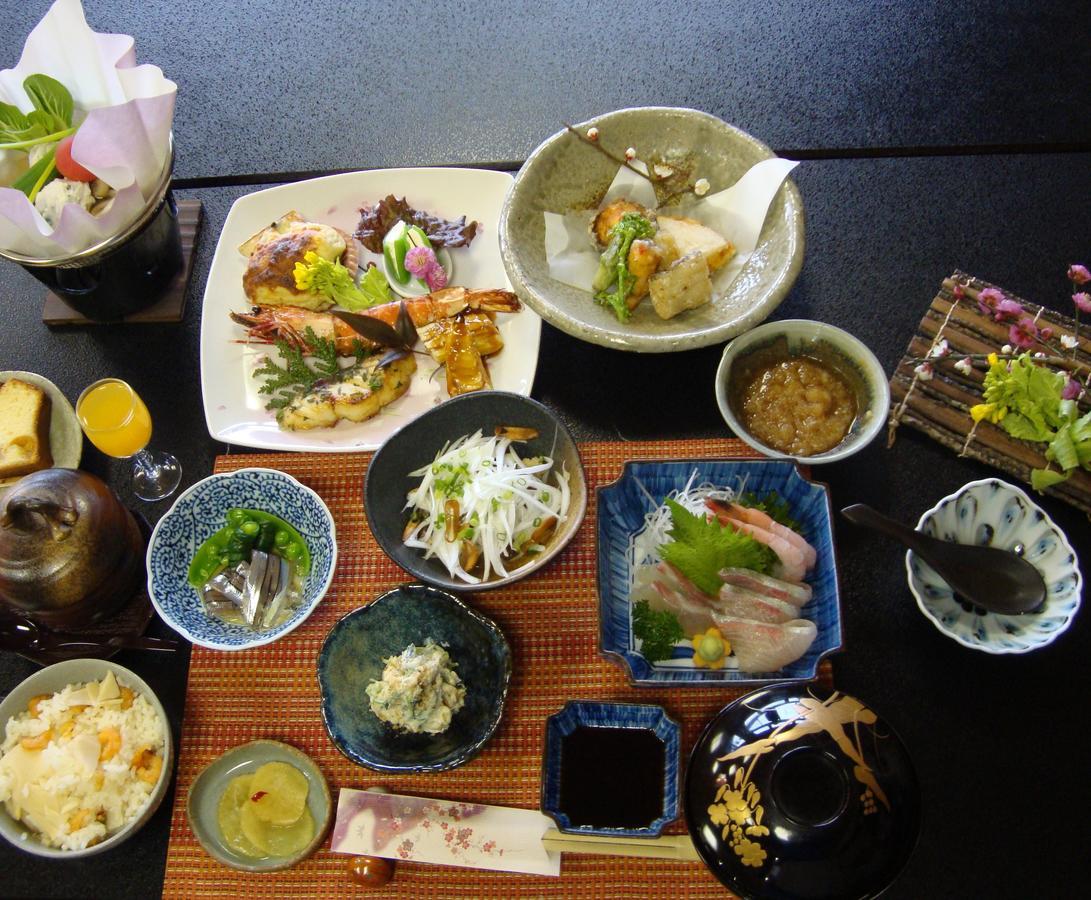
(577, 713)
(622, 506)
(197, 514)
(994, 513)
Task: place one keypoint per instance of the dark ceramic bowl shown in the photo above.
(799, 792)
(631, 717)
(352, 657)
(416, 445)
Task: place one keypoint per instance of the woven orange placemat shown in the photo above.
(551, 622)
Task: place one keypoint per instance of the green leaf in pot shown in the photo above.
(52, 100)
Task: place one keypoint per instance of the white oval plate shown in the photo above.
(234, 410)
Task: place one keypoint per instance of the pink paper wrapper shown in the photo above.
(124, 139)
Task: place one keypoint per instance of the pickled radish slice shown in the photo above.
(278, 794)
(228, 816)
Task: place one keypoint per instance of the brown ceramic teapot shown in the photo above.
(70, 552)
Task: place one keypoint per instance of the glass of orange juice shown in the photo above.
(115, 420)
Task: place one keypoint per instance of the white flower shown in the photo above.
(700, 187)
(939, 349)
(964, 366)
(924, 371)
(1006, 349)
(1039, 355)
(662, 170)
(1069, 341)
(592, 133)
(630, 153)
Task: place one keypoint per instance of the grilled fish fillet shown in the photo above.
(358, 395)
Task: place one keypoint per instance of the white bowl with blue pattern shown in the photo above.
(622, 506)
(994, 513)
(197, 514)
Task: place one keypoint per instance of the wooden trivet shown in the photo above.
(940, 407)
(171, 307)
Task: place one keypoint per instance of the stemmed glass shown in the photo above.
(115, 420)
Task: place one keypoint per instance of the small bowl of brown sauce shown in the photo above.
(611, 769)
(802, 390)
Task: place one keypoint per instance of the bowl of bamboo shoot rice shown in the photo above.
(85, 758)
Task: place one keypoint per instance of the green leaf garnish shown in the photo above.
(614, 264)
(774, 506)
(657, 629)
(700, 547)
(286, 382)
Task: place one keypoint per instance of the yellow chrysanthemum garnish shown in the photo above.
(710, 649)
(304, 271)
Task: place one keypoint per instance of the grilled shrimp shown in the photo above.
(289, 323)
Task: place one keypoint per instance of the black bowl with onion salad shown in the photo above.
(461, 530)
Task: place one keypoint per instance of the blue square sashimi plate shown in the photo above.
(622, 507)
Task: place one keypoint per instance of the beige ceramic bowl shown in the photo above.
(802, 337)
(48, 681)
(565, 174)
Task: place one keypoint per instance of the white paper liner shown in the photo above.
(738, 213)
(124, 140)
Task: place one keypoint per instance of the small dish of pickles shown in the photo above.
(260, 807)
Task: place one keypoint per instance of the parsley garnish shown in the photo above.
(700, 547)
(657, 629)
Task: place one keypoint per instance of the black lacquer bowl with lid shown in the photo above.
(797, 791)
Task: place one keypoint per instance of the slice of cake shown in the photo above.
(24, 429)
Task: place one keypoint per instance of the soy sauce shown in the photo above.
(612, 777)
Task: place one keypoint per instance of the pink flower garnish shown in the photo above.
(1082, 301)
(418, 261)
(1046, 333)
(964, 365)
(957, 292)
(924, 371)
(435, 277)
(1007, 309)
(940, 349)
(1079, 274)
(988, 299)
(1023, 333)
(1071, 389)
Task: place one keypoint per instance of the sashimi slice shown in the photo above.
(765, 647)
(744, 604)
(799, 595)
(792, 566)
(764, 520)
(692, 606)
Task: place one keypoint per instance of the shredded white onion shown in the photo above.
(644, 544)
(502, 500)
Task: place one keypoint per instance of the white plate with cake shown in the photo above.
(38, 427)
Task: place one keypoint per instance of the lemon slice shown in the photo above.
(278, 793)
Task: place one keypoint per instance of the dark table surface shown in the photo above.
(267, 89)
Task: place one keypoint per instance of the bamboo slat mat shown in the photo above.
(941, 407)
(551, 623)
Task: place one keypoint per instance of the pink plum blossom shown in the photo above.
(1082, 301)
(988, 299)
(1071, 389)
(1078, 274)
(1023, 333)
